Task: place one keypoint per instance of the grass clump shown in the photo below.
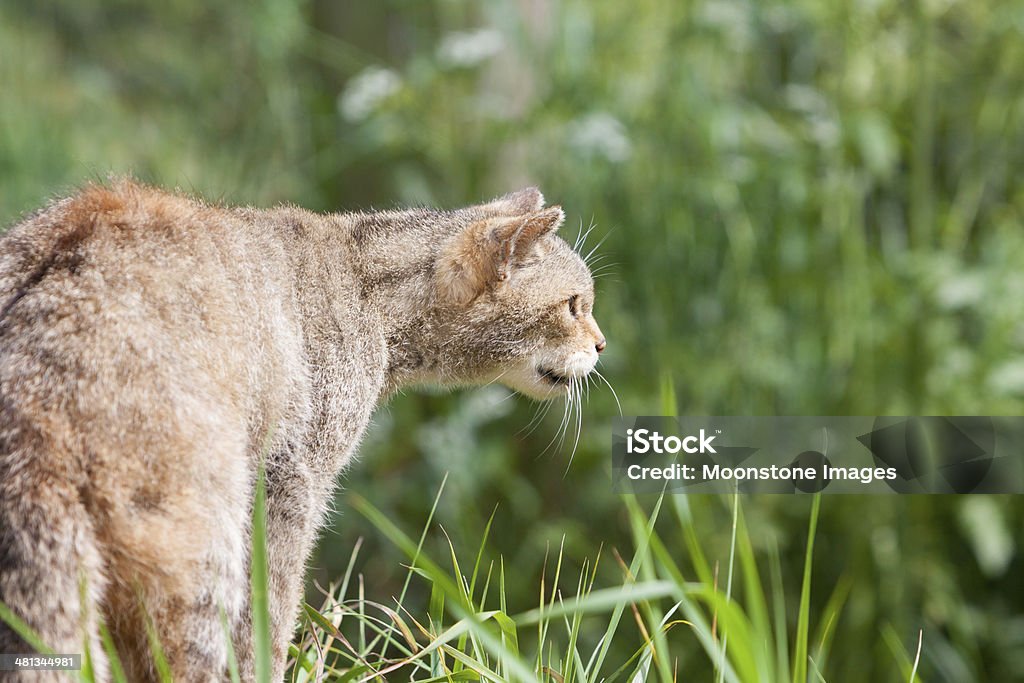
(468, 631)
(748, 629)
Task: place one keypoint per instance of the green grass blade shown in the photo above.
(917, 655)
(232, 659)
(684, 515)
(454, 595)
(729, 576)
(668, 395)
(260, 583)
(419, 548)
(600, 601)
(634, 568)
(754, 599)
(163, 669)
(908, 667)
(692, 612)
(25, 631)
(113, 659)
(829, 617)
(782, 670)
(643, 536)
(803, 618)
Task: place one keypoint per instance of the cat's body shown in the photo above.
(154, 350)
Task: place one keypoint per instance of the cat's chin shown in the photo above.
(539, 382)
(552, 378)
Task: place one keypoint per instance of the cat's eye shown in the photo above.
(574, 305)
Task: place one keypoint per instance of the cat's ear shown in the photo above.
(485, 253)
(525, 201)
(516, 236)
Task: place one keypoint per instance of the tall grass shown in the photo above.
(469, 631)
(747, 629)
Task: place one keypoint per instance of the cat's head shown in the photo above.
(523, 296)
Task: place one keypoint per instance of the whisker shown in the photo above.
(538, 418)
(579, 237)
(586, 259)
(535, 419)
(609, 384)
(568, 415)
(605, 266)
(581, 240)
(599, 258)
(561, 426)
(575, 407)
(579, 424)
(498, 377)
(572, 401)
(511, 394)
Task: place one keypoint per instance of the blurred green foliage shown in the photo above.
(811, 208)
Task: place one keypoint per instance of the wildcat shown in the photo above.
(155, 349)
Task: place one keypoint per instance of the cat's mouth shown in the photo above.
(552, 377)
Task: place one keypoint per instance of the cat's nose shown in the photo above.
(599, 346)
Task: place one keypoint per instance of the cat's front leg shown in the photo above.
(293, 515)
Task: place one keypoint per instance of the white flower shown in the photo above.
(469, 48)
(601, 134)
(366, 91)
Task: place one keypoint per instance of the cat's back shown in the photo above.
(127, 312)
(92, 251)
(105, 244)
(149, 343)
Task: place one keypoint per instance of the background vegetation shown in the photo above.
(811, 208)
